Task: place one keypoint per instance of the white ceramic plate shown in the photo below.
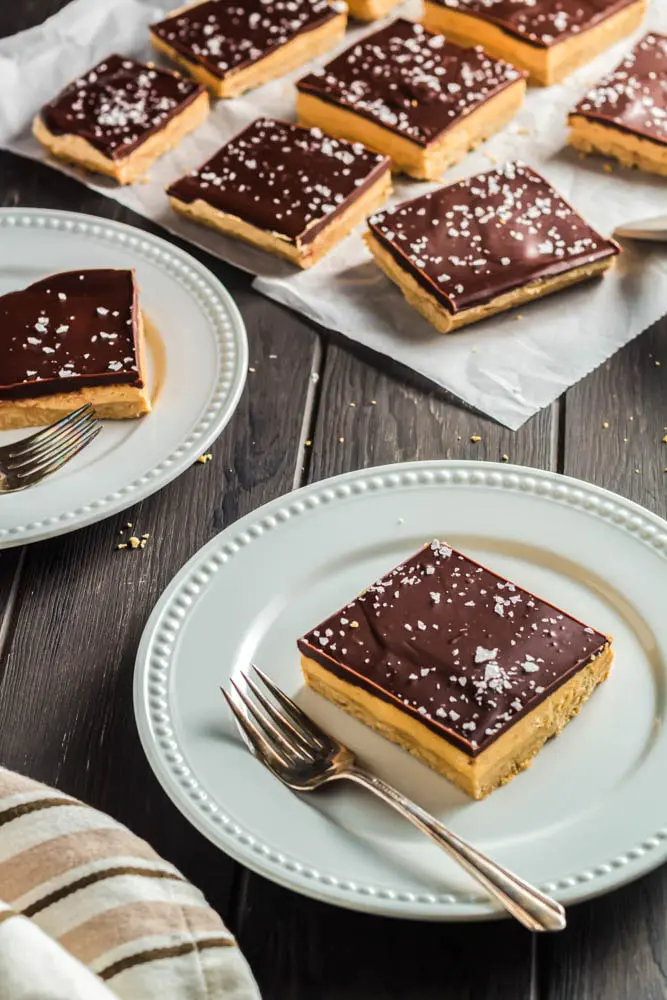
(196, 368)
(589, 815)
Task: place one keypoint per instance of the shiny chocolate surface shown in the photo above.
(633, 97)
(461, 648)
(118, 104)
(410, 81)
(473, 240)
(69, 331)
(224, 36)
(283, 178)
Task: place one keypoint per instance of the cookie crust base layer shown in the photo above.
(546, 65)
(445, 321)
(305, 255)
(299, 51)
(422, 162)
(111, 402)
(507, 756)
(75, 149)
(629, 149)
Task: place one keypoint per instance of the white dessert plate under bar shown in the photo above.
(196, 361)
(588, 816)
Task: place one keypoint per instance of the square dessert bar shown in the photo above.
(548, 38)
(459, 666)
(485, 244)
(625, 114)
(289, 190)
(413, 96)
(231, 47)
(120, 117)
(70, 339)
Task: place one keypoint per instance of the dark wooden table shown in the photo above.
(72, 611)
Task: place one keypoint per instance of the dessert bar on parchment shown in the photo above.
(232, 47)
(292, 191)
(413, 96)
(464, 669)
(485, 244)
(548, 38)
(118, 118)
(70, 339)
(625, 114)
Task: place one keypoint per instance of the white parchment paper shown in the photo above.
(509, 366)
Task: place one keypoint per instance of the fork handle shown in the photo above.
(532, 908)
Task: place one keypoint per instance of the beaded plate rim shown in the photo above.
(161, 635)
(226, 326)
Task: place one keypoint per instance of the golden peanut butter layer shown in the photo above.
(511, 754)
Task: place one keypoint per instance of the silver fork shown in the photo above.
(298, 752)
(27, 462)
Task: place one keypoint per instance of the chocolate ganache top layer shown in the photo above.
(633, 97)
(283, 178)
(539, 22)
(410, 81)
(461, 648)
(226, 35)
(471, 241)
(69, 331)
(117, 105)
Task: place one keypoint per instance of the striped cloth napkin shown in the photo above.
(88, 910)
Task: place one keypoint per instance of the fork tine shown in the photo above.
(283, 723)
(35, 440)
(41, 471)
(54, 445)
(266, 724)
(258, 742)
(310, 728)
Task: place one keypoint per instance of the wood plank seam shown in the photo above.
(559, 410)
(310, 415)
(8, 610)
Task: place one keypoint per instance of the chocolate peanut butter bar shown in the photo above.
(289, 190)
(120, 117)
(413, 96)
(70, 339)
(231, 47)
(461, 667)
(549, 38)
(485, 244)
(625, 114)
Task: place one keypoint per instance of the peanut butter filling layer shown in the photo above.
(478, 776)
